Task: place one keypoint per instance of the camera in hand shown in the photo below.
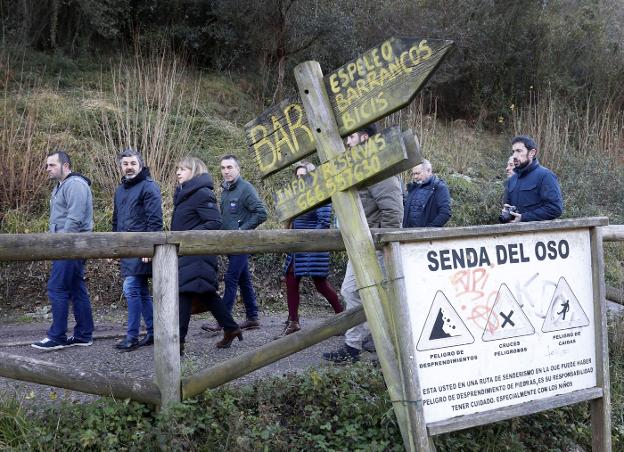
(506, 216)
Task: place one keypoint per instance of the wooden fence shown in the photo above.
(169, 387)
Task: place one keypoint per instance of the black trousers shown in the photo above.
(214, 304)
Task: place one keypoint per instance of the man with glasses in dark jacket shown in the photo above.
(136, 208)
(428, 201)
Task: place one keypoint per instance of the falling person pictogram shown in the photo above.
(565, 307)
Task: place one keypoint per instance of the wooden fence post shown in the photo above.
(399, 318)
(166, 324)
(600, 408)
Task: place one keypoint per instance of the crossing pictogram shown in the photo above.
(506, 319)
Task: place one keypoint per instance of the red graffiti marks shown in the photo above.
(473, 294)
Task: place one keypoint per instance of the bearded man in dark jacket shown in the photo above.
(532, 193)
(137, 208)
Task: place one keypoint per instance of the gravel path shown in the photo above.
(103, 357)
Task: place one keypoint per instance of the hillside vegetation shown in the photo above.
(179, 78)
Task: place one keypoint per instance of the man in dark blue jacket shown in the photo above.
(137, 208)
(428, 201)
(533, 190)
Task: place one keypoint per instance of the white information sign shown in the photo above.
(499, 321)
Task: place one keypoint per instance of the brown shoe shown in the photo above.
(211, 327)
(228, 337)
(250, 325)
(291, 327)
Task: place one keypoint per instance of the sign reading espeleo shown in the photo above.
(350, 169)
(380, 81)
(500, 321)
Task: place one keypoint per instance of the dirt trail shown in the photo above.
(103, 357)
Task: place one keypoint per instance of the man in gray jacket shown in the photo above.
(71, 210)
(383, 206)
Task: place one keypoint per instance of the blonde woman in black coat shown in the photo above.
(195, 208)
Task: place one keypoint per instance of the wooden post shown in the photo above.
(247, 362)
(166, 324)
(600, 408)
(356, 235)
(399, 318)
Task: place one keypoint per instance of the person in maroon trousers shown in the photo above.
(312, 264)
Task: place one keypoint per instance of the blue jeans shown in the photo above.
(238, 274)
(67, 284)
(136, 291)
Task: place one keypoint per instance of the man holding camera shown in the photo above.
(532, 193)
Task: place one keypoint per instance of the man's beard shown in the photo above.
(523, 165)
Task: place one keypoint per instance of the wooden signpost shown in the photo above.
(373, 85)
(382, 80)
(383, 155)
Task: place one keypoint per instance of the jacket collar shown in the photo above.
(230, 185)
(191, 186)
(527, 169)
(143, 174)
(413, 185)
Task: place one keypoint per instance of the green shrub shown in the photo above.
(329, 408)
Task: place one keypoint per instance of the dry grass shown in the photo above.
(22, 152)
(562, 132)
(152, 108)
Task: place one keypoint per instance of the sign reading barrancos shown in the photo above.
(382, 80)
(500, 321)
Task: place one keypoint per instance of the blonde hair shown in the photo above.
(196, 165)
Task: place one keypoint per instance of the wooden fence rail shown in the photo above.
(61, 376)
(165, 246)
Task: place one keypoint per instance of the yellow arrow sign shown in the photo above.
(382, 80)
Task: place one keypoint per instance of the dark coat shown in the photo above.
(436, 201)
(241, 206)
(314, 264)
(137, 208)
(195, 208)
(535, 191)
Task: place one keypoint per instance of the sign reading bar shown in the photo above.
(350, 169)
(382, 80)
(501, 321)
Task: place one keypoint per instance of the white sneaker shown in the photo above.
(49, 344)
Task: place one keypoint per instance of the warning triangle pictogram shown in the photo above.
(565, 311)
(443, 327)
(506, 319)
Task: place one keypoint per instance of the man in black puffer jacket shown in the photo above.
(137, 208)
